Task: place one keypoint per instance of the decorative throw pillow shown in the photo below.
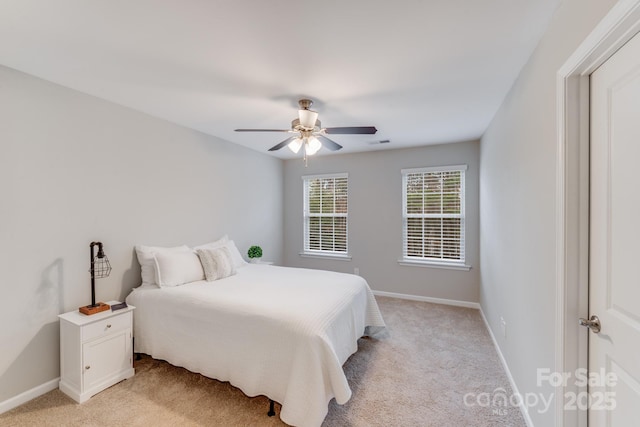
(224, 241)
(177, 268)
(217, 263)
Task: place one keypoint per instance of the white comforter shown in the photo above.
(275, 331)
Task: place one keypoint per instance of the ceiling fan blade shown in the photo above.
(329, 144)
(282, 144)
(353, 130)
(263, 130)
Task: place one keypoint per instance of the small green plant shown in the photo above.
(254, 252)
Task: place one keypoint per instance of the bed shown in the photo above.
(275, 331)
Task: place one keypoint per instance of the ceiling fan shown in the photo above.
(308, 132)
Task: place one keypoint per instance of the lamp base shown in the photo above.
(93, 309)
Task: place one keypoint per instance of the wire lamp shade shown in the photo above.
(100, 268)
(100, 265)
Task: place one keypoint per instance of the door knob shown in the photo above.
(593, 323)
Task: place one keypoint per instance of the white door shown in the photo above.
(614, 248)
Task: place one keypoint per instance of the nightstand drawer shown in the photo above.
(106, 326)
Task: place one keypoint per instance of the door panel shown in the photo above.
(106, 358)
(614, 284)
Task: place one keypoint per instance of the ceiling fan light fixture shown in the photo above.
(312, 146)
(308, 132)
(295, 145)
(307, 118)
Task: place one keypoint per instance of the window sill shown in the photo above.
(337, 257)
(435, 264)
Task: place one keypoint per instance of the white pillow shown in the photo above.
(238, 261)
(147, 263)
(215, 244)
(217, 263)
(177, 268)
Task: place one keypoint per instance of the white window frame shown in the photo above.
(319, 253)
(458, 264)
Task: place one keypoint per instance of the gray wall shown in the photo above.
(375, 219)
(73, 169)
(518, 205)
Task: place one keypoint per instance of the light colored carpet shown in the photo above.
(417, 376)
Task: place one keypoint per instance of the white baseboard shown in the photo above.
(514, 387)
(457, 303)
(28, 395)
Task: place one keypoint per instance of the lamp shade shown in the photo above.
(295, 145)
(312, 146)
(307, 118)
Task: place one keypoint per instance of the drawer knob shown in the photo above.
(108, 326)
(87, 367)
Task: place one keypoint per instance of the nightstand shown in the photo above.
(96, 351)
(262, 262)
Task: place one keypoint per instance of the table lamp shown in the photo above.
(100, 267)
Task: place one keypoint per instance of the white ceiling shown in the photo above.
(421, 71)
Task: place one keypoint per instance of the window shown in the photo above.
(325, 215)
(433, 215)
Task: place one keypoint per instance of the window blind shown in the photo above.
(325, 214)
(433, 214)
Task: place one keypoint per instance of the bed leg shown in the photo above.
(271, 412)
